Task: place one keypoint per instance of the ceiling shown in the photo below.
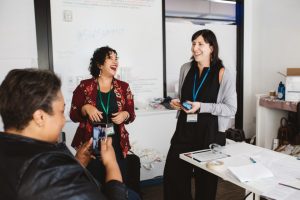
(201, 11)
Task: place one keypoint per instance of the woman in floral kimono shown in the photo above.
(103, 100)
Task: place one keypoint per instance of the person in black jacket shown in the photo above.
(33, 164)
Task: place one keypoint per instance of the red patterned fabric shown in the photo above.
(86, 93)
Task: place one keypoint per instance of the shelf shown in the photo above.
(268, 102)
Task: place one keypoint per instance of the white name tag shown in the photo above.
(109, 130)
(191, 118)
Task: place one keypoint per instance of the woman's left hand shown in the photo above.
(195, 107)
(83, 154)
(119, 117)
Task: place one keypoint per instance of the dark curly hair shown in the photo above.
(98, 58)
(210, 38)
(24, 91)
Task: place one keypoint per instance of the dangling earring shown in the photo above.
(99, 67)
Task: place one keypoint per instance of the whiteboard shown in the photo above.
(18, 47)
(133, 28)
(178, 48)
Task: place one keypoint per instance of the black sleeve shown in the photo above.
(59, 176)
(115, 190)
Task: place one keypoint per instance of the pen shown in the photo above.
(196, 159)
(252, 160)
(201, 151)
(288, 186)
(190, 156)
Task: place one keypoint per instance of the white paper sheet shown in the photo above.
(280, 192)
(250, 172)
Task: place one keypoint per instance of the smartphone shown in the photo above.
(186, 105)
(98, 134)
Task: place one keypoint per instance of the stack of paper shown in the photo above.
(250, 172)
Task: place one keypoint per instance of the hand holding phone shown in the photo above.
(98, 134)
(83, 153)
(186, 105)
(175, 104)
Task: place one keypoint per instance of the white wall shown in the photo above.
(271, 35)
(18, 47)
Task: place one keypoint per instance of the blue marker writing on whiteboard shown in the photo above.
(252, 160)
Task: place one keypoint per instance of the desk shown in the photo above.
(284, 167)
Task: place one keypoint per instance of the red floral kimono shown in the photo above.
(86, 93)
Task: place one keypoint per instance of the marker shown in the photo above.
(196, 159)
(252, 160)
(188, 155)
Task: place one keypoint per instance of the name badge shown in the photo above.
(191, 118)
(109, 130)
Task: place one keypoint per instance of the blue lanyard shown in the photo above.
(195, 94)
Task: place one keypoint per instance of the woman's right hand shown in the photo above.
(109, 160)
(175, 103)
(92, 112)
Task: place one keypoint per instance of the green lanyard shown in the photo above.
(107, 103)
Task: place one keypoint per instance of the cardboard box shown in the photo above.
(293, 71)
(292, 88)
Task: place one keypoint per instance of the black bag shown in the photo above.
(298, 117)
(287, 132)
(293, 126)
(133, 172)
(235, 134)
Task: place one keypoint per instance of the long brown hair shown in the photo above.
(210, 38)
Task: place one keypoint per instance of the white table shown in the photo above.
(284, 167)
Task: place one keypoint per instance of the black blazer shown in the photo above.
(32, 169)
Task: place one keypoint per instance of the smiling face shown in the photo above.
(201, 50)
(110, 65)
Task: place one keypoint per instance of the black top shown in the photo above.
(113, 108)
(198, 135)
(32, 169)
